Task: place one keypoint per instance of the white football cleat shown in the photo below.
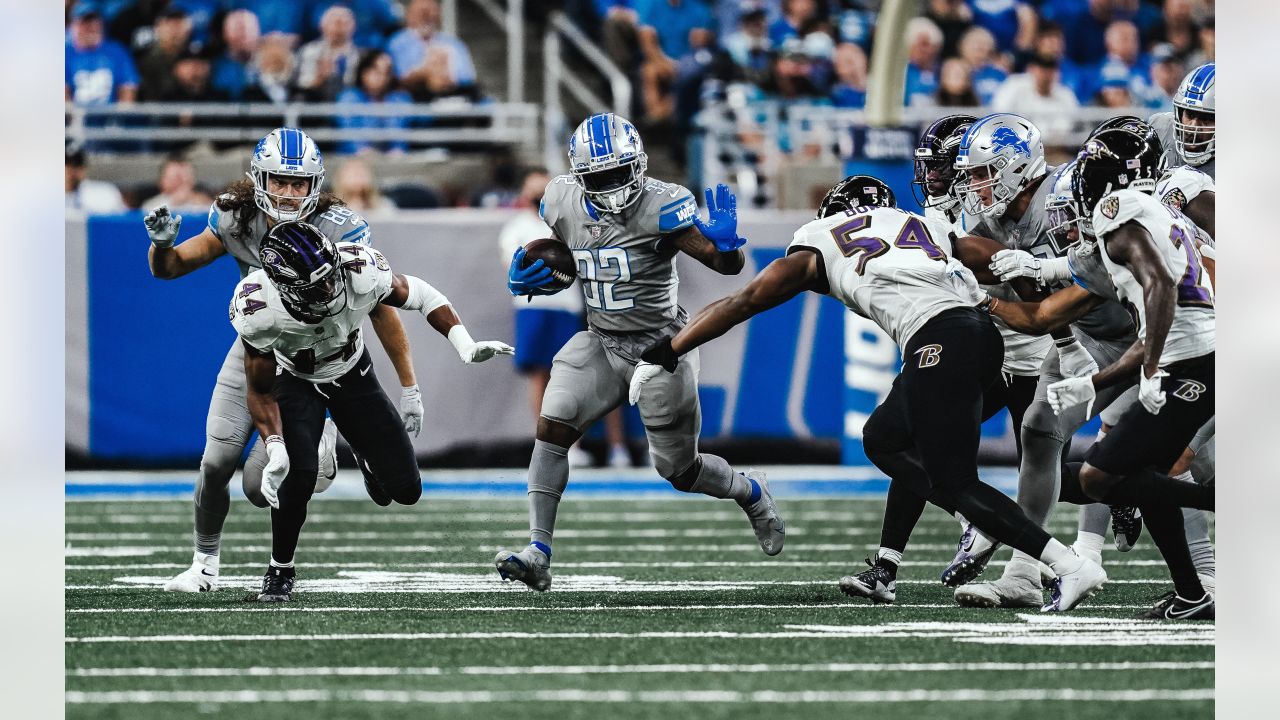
(530, 566)
(328, 452)
(619, 458)
(1073, 587)
(1011, 590)
(202, 576)
(764, 517)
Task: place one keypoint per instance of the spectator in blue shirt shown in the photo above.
(850, 87)
(97, 71)
(233, 72)
(375, 19)
(797, 16)
(924, 42)
(430, 63)
(1085, 23)
(978, 48)
(201, 14)
(749, 46)
(375, 84)
(1167, 72)
(1011, 22)
(1124, 58)
(274, 16)
(673, 20)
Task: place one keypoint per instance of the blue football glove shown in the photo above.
(721, 227)
(530, 280)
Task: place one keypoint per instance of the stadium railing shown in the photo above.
(556, 80)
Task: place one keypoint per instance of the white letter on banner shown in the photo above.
(871, 363)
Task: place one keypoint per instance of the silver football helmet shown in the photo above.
(1062, 215)
(606, 157)
(999, 156)
(1196, 95)
(289, 152)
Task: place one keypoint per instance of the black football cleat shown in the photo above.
(1172, 606)
(277, 585)
(876, 584)
(1126, 527)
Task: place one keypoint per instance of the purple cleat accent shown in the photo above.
(973, 552)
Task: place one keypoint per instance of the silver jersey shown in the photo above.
(1192, 333)
(1162, 122)
(626, 264)
(338, 223)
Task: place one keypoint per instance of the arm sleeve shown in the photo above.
(677, 211)
(423, 297)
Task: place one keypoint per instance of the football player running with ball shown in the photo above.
(925, 434)
(625, 230)
(299, 320)
(285, 175)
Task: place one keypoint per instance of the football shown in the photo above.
(555, 255)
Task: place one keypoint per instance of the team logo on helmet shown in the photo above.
(278, 265)
(1111, 207)
(1174, 199)
(1006, 138)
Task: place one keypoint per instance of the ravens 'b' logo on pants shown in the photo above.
(930, 355)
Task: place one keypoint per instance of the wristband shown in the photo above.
(1064, 342)
(461, 340)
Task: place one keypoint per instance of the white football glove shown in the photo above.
(411, 409)
(162, 227)
(1075, 361)
(475, 352)
(1010, 264)
(275, 471)
(1068, 393)
(1150, 394)
(643, 374)
(965, 284)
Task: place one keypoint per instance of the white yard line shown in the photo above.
(118, 672)
(849, 606)
(681, 564)
(629, 696)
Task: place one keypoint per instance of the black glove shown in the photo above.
(662, 354)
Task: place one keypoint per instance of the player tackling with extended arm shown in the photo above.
(286, 173)
(926, 432)
(625, 231)
(299, 320)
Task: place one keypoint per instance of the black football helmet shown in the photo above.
(303, 265)
(1115, 159)
(1132, 123)
(935, 159)
(856, 191)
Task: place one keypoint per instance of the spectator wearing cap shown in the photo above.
(1011, 22)
(275, 17)
(375, 85)
(177, 185)
(98, 71)
(172, 35)
(1037, 95)
(232, 72)
(797, 17)
(374, 19)
(955, 87)
(430, 63)
(191, 81)
(749, 45)
(850, 87)
(977, 48)
(201, 14)
(1167, 72)
(274, 72)
(1113, 90)
(953, 18)
(85, 195)
(924, 43)
(328, 64)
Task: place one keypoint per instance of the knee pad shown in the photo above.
(683, 480)
(560, 405)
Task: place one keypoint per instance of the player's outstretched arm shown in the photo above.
(390, 331)
(260, 372)
(1053, 313)
(1203, 211)
(168, 261)
(1132, 246)
(693, 243)
(716, 243)
(412, 293)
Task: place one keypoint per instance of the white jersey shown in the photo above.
(885, 264)
(1182, 184)
(1023, 354)
(318, 352)
(1192, 333)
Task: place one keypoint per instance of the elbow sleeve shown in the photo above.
(423, 297)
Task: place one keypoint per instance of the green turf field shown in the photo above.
(660, 608)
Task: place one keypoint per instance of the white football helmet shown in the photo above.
(1061, 212)
(999, 156)
(607, 159)
(290, 152)
(1196, 94)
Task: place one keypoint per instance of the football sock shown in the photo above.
(716, 478)
(889, 559)
(286, 526)
(1089, 544)
(548, 476)
(1196, 524)
(1024, 565)
(1164, 523)
(1061, 558)
(1095, 519)
(211, 506)
(902, 512)
(277, 563)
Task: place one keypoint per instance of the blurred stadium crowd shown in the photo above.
(1041, 58)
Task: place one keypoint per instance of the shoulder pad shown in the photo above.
(341, 224)
(1117, 209)
(215, 216)
(367, 270)
(676, 206)
(1180, 185)
(554, 197)
(250, 314)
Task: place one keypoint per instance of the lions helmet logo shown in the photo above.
(1006, 138)
(1174, 199)
(1111, 207)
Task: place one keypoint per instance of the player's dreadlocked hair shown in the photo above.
(238, 199)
